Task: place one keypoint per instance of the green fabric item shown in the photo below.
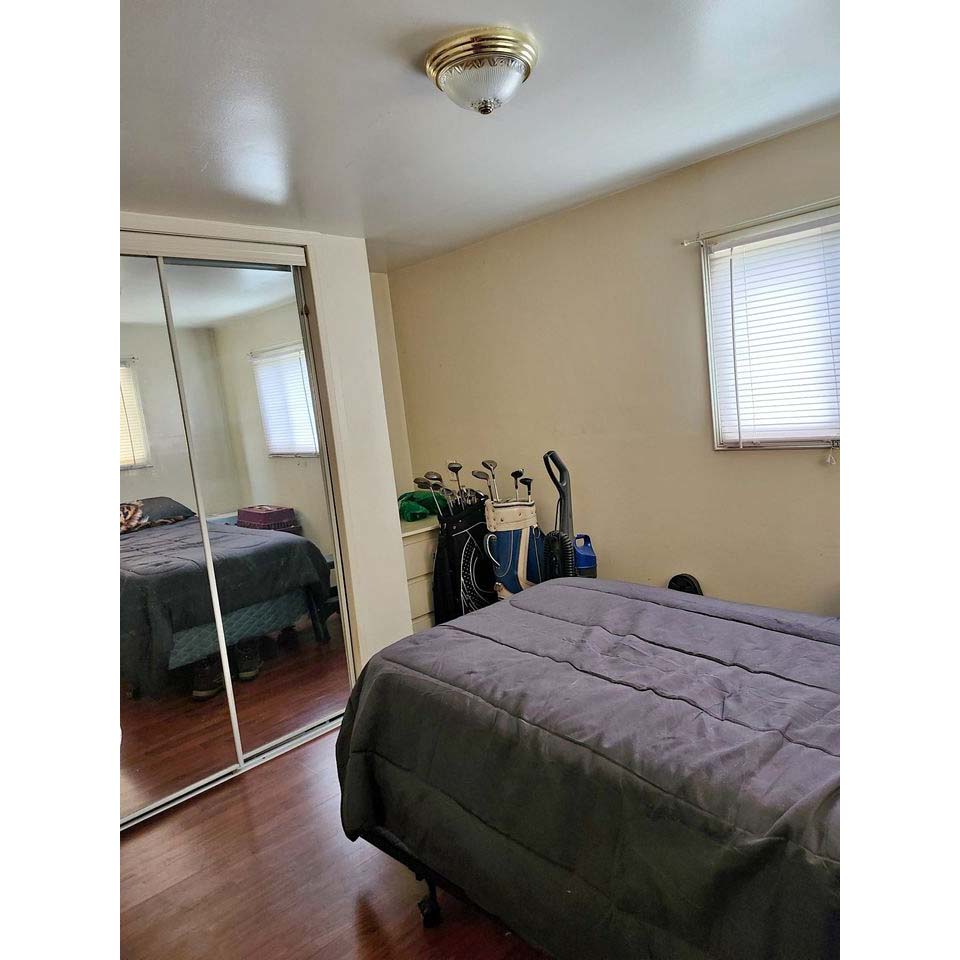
(417, 505)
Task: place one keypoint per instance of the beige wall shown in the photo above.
(584, 332)
(392, 387)
(169, 472)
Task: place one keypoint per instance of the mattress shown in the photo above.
(164, 588)
(614, 770)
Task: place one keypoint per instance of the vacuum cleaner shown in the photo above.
(565, 554)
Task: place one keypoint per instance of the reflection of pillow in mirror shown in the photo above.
(151, 512)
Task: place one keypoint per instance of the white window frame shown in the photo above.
(275, 353)
(754, 231)
(130, 363)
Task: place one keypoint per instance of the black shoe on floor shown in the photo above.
(248, 659)
(207, 678)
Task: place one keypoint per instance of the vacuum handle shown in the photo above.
(551, 458)
(561, 480)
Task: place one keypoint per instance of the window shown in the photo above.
(286, 407)
(134, 448)
(773, 330)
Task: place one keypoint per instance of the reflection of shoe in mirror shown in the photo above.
(248, 658)
(207, 678)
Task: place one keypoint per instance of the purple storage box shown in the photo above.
(266, 517)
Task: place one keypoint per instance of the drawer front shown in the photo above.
(421, 596)
(419, 555)
(423, 623)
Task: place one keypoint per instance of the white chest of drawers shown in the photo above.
(419, 550)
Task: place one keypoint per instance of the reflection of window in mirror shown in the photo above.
(286, 410)
(134, 446)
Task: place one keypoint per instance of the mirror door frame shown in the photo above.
(374, 585)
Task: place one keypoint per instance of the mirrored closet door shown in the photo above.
(231, 638)
(175, 724)
(259, 459)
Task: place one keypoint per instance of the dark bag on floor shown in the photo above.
(462, 572)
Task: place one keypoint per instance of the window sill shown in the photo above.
(782, 445)
(135, 466)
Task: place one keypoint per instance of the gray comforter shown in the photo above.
(614, 770)
(164, 586)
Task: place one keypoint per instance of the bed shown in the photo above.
(266, 580)
(613, 770)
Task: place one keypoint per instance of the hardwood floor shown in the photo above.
(173, 741)
(259, 867)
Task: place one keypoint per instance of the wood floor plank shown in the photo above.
(172, 741)
(260, 867)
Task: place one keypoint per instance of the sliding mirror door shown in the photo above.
(260, 463)
(175, 725)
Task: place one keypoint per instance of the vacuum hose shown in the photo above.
(558, 555)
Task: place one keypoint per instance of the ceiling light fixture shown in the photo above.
(482, 69)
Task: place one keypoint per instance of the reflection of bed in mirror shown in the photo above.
(267, 580)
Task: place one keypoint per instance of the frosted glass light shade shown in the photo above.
(483, 69)
(483, 84)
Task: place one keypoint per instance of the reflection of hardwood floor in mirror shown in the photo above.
(259, 867)
(173, 741)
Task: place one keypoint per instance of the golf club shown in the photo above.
(451, 497)
(491, 465)
(483, 475)
(516, 474)
(528, 483)
(435, 478)
(455, 467)
(443, 491)
(424, 484)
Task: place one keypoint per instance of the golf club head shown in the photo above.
(516, 474)
(433, 476)
(491, 465)
(454, 467)
(482, 475)
(422, 482)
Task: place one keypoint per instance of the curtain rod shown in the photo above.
(759, 221)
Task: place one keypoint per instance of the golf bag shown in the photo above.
(514, 545)
(462, 572)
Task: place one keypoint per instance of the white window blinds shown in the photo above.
(773, 323)
(286, 407)
(134, 449)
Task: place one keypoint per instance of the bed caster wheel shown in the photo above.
(430, 908)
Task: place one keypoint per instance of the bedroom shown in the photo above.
(481, 488)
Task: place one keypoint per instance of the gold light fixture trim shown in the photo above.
(482, 48)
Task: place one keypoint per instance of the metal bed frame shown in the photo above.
(428, 906)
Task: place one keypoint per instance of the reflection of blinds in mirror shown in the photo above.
(283, 386)
(134, 449)
(773, 310)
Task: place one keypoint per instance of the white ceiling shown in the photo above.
(317, 114)
(199, 296)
